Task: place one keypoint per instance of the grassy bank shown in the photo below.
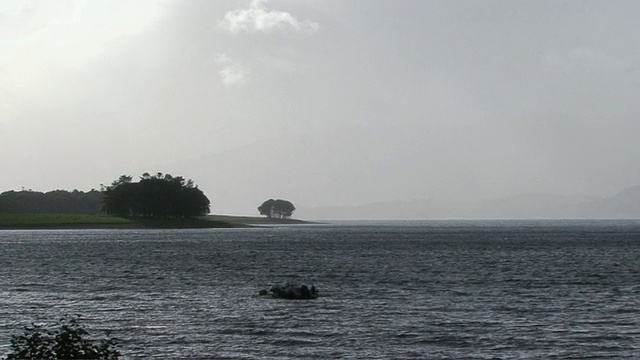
(201, 223)
(19, 221)
(254, 220)
(86, 221)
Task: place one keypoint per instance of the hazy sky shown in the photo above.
(342, 102)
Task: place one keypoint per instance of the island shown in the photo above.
(159, 201)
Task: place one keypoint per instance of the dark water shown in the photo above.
(432, 290)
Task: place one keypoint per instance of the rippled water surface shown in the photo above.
(434, 290)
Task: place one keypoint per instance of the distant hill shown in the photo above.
(624, 205)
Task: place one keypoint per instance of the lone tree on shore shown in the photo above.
(155, 196)
(281, 209)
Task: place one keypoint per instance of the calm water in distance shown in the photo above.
(388, 290)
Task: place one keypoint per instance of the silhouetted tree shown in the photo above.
(276, 208)
(266, 208)
(155, 196)
(68, 341)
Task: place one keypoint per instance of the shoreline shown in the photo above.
(84, 221)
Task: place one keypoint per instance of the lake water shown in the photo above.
(394, 290)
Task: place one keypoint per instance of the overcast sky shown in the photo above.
(369, 100)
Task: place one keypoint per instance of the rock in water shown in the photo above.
(293, 291)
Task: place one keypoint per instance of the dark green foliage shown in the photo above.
(67, 341)
(157, 196)
(281, 209)
(52, 202)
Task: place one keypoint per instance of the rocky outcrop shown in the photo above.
(291, 291)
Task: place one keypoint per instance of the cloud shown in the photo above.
(554, 59)
(582, 56)
(233, 75)
(17, 8)
(593, 58)
(258, 19)
(222, 58)
(21, 18)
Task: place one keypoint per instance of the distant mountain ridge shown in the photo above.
(623, 205)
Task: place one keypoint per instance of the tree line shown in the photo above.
(56, 202)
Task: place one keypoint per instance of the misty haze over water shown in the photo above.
(624, 205)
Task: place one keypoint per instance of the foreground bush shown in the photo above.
(67, 341)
